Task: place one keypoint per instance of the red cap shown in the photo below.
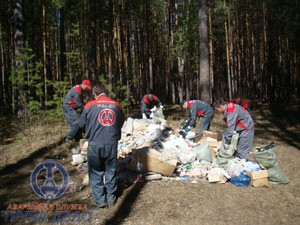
(87, 83)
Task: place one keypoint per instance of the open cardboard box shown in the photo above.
(259, 178)
(149, 160)
(213, 135)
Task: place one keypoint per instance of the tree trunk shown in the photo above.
(44, 55)
(18, 47)
(228, 57)
(62, 43)
(3, 96)
(211, 55)
(110, 43)
(92, 41)
(205, 94)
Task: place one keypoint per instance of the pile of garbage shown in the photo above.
(151, 146)
(152, 149)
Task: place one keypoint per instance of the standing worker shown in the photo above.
(242, 102)
(148, 105)
(73, 102)
(196, 109)
(103, 119)
(238, 119)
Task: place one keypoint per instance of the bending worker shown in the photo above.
(73, 102)
(196, 109)
(238, 119)
(148, 105)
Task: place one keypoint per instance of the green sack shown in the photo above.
(276, 175)
(203, 152)
(266, 155)
(226, 152)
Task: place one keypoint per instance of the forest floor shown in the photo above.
(167, 201)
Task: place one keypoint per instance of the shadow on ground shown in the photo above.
(283, 128)
(8, 128)
(29, 159)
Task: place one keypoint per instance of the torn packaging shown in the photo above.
(149, 160)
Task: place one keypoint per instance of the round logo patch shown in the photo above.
(55, 182)
(107, 117)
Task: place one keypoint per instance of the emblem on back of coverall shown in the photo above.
(54, 184)
(107, 117)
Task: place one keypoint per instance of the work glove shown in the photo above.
(161, 106)
(226, 141)
(153, 109)
(184, 124)
(182, 133)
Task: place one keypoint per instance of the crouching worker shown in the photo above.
(196, 109)
(149, 104)
(103, 119)
(238, 119)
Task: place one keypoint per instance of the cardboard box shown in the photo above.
(213, 135)
(259, 178)
(150, 160)
(212, 142)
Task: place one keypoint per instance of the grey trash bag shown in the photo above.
(226, 152)
(203, 152)
(158, 113)
(276, 175)
(266, 155)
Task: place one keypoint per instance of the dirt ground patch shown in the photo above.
(167, 201)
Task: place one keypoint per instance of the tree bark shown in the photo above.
(44, 54)
(204, 62)
(3, 96)
(228, 56)
(62, 43)
(18, 47)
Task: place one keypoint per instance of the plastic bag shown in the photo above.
(266, 155)
(276, 175)
(243, 180)
(226, 152)
(186, 156)
(251, 166)
(203, 152)
(234, 167)
(158, 113)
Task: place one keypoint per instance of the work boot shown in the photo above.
(110, 204)
(101, 205)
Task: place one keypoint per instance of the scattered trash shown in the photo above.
(82, 168)
(150, 150)
(149, 177)
(75, 150)
(77, 159)
(185, 178)
(84, 183)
